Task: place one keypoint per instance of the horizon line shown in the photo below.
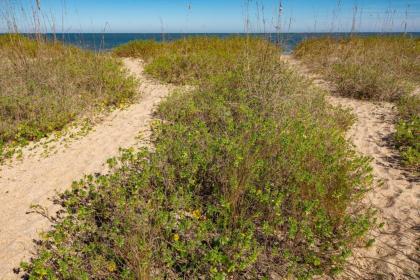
(298, 32)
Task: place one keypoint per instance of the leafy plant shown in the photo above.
(407, 135)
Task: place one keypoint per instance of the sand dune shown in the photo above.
(36, 179)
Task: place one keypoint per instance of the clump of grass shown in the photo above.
(190, 60)
(374, 68)
(46, 85)
(139, 48)
(250, 177)
(408, 130)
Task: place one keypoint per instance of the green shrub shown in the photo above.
(46, 85)
(408, 130)
(250, 176)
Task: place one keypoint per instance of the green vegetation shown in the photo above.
(374, 68)
(195, 59)
(46, 85)
(250, 177)
(408, 130)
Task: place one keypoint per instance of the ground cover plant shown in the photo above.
(250, 177)
(408, 130)
(374, 68)
(46, 85)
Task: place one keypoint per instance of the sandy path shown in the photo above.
(396, 197)
(36, 179)
(395, 254)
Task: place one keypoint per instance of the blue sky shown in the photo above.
(215, 15)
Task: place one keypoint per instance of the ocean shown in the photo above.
(107, 41)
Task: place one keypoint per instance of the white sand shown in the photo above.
(36, 179)
(395, 254)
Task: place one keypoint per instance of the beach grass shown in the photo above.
(45, 85)
(379, 68)
(250, 177)
(191, 60)
(372, 68)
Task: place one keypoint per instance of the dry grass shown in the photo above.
(190, 60)
(46, 85)
(378, 68)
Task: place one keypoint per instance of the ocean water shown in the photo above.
(107, 41)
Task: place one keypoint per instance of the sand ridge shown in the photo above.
(34, 180)
(395, 254)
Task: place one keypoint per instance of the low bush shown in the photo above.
(45, 85)
(250, 177)
(408, 131)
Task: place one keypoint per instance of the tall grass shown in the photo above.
(45, 85)
(250, 177)
(374, 68)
